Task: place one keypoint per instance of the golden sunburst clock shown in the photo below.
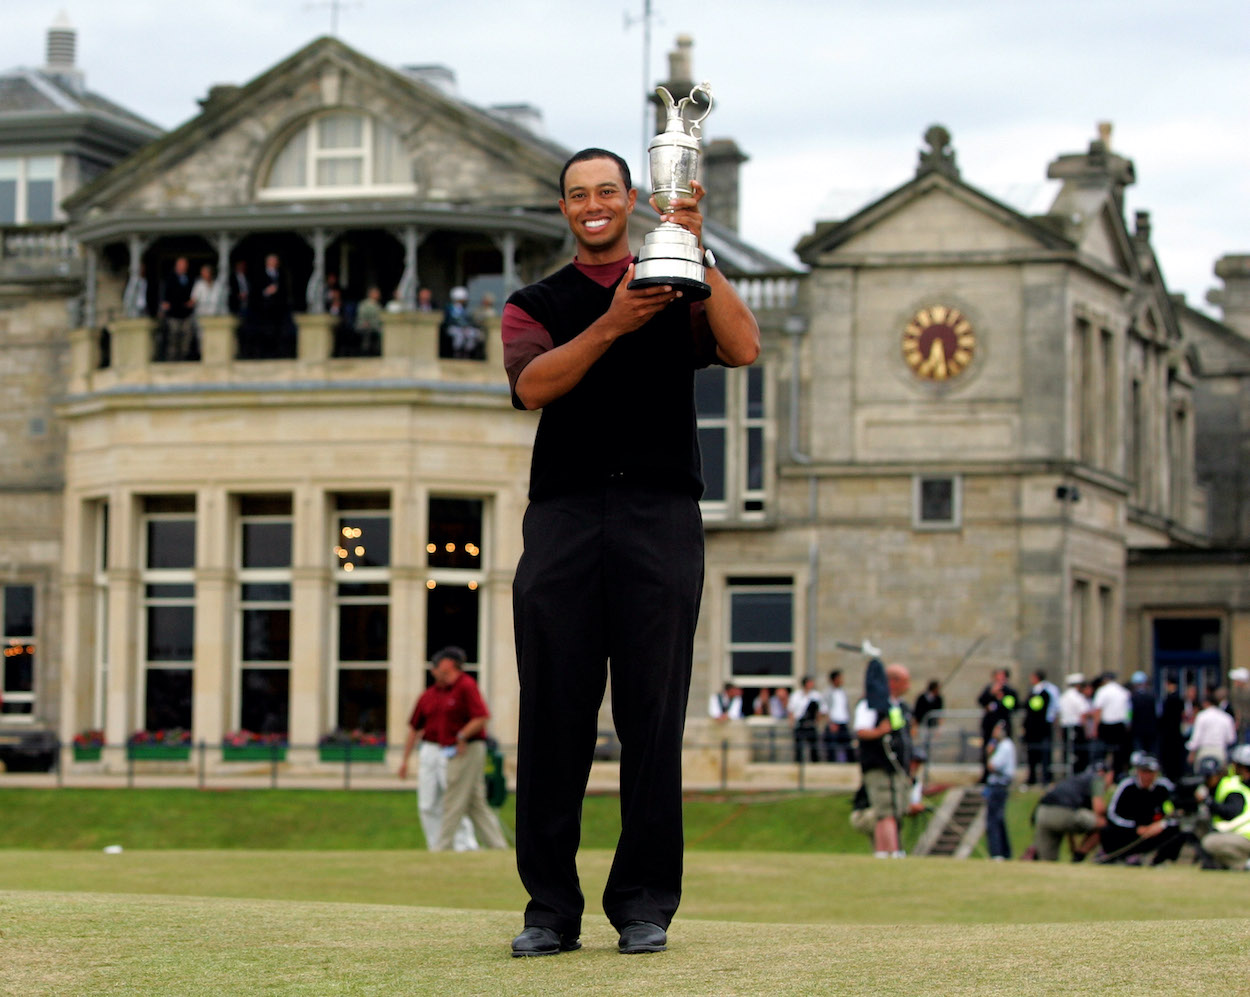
(938, 343)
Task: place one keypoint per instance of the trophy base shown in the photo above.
(691, 289)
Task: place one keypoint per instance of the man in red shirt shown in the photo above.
(452, 715)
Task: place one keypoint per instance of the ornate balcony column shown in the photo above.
(406, 292)
(135, 297)
(317, 282)
(221, 286)
(507, 249)
(89, 286)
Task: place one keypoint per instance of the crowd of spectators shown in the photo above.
(262, 303)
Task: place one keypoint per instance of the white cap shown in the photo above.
(459, 294)
(1240, 675)
(1076, 678)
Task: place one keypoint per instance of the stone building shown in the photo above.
(977, 437)
(270, 524)
(55, 136)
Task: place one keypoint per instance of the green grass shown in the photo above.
(332, 893)
(151, 819)
(377, 922)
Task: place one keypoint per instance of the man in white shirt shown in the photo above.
(806, 710)
(1074, 707)
(726, 705)
(1112, 703)
(837, 710)
(1214, 731)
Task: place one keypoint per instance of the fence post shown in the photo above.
(201, 749)
(347, 765)
(130, 768)
(724, 764)
(273, 766)
(60, 781)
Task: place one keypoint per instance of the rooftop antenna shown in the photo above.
(335, 6)
(646, 75)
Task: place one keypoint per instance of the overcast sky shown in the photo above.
(829, 98)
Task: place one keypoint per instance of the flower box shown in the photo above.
(358, 752)
(87, 752)
(253, 752)
(155, 751)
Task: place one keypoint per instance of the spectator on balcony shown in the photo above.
(237, 300)
(135, 296)
(725, 705)
(425, 300)
(807, 713)
(369, 325)
(485, 315)
(177, 314)
(459, 336)
(272, 311)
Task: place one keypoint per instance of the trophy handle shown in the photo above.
(696, 124)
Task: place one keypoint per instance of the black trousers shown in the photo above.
(614, 574)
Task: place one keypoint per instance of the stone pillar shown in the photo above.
(1234, 297)
(90, 280)
(121, 699)
(221, 287)
(507, 249)
(310, 621)
(315, 337)
(212, 683)
(217, 343)
(317, 282)
(132, 343)
(406, 672)
(406, 292)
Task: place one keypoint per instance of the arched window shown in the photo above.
(341, 154)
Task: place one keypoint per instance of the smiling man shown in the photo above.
(613, 563)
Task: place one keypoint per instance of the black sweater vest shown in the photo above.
(633, 414)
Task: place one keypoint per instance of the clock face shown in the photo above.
(938, 343)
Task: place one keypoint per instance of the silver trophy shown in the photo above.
(671, 254)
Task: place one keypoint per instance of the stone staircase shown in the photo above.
(957, 825)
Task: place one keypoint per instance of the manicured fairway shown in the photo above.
(751, 923)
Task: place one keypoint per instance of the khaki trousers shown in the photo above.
(466, 797)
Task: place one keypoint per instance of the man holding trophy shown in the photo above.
(612, 568)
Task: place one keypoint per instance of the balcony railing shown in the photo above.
(134, 352)
(37, 250)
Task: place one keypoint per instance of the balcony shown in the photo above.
(38, 252)
(127, 357)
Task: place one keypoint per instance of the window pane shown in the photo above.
(171, 543)
(266, 545)
(340, 131)
(340, 172)
(171, 633)
(452, 619)
(761, 618)
(358, 590)
(455, 533)
(390, 162)
(264, 706)
(19, 610)
(266, 592)
(290, 169)
(364, 541)
(19, 668)
(761, 663)
(755, 459)
(8, 200)
(266, 635)
(709, 392)
(39, 206)
(937, 500)
(755, 392)
(362, 699)
(363, 632)
(168, 700)
(712, 446)
(169, 591)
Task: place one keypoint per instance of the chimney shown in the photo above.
(441, 78)
(62, 43)
(721, 157)
(525, 116)
(1234, 297)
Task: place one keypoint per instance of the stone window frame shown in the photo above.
(315, 153)
(738, 584)
(251, 575)
(19, 643)
(161, 508)
(919, 520)
(744, 426)
(22, 181)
